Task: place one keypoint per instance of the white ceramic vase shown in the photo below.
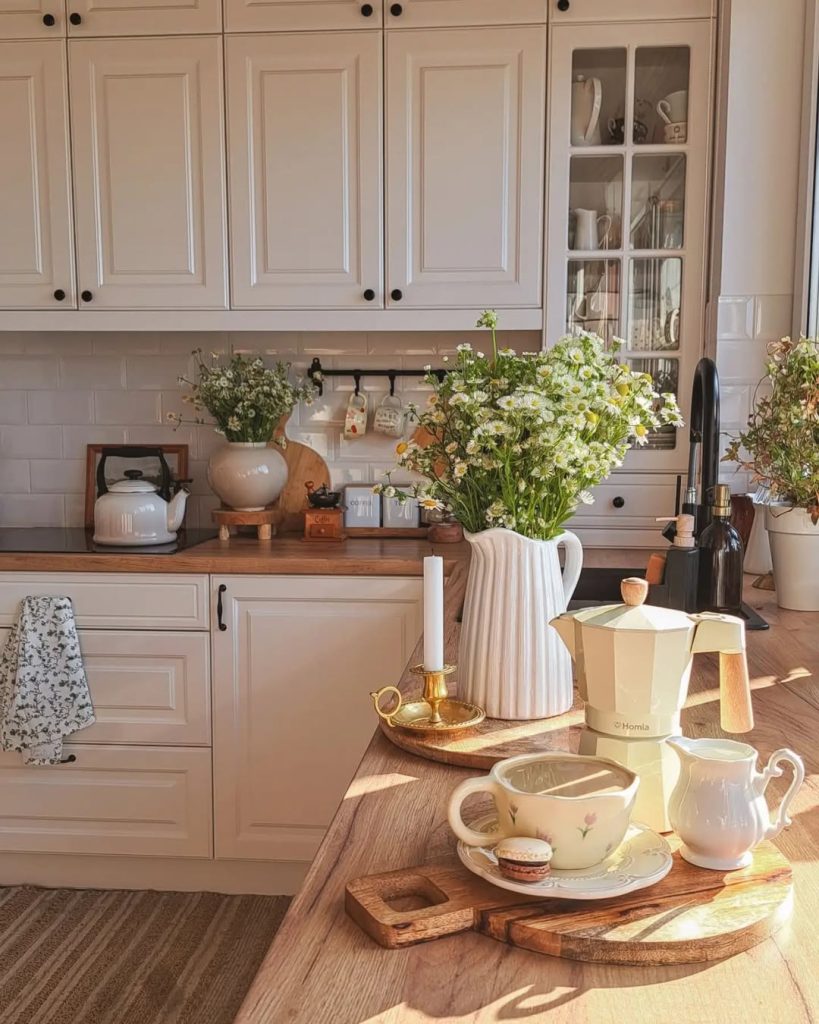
(795, 555)
(511, 662)
(247, 475)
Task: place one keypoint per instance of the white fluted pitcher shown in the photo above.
(512, 662)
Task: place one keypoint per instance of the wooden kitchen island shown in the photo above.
(321, 969)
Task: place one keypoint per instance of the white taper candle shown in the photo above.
(433, 613)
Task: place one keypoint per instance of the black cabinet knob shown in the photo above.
(86, 296)
(369, 294)
(563, 5)
(75, 19)
(618, 502)
(49, 20)
(59, 295)
(367, 10)
(396, 10)
(396, 295)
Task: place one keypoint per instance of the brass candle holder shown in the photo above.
(434, 712)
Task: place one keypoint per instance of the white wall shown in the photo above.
(761, 178)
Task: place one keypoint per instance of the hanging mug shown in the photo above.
(355, 422)
(389, 417)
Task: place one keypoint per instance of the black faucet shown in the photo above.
(703, 435)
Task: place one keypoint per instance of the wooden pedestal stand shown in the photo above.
(228, 518)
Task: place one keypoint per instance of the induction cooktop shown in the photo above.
(74, 541)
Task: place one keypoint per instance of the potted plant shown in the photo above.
(247, 400)
(511, 445)
(782, 446)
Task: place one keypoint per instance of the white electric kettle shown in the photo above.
(132, 513)
(587, 98)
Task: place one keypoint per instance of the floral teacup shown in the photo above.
(580, 805)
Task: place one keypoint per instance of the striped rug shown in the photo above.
(80, 956)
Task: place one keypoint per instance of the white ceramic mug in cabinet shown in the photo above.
(580, 805)
(674, 107)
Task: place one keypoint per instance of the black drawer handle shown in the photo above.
(367, 10)
(618, 502)
(222, 589)
(86, 296)
(59, 295)
(369, 294)
(396, 295)
(75, 19)
(49, 20)
(69, 760)
(396, 10)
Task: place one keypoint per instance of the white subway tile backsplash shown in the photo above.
(57, 476)
(773, 316)
(58, 407)
(130, 343)
(74, 505)
(157, 372)
(735, 317)
(333, 343)
(75, 439)
(32, 510)
(13, 407)
(126, 407)
(98, 371)
(741, 361)
(31, 442)
(734, 404)
(15, 477)
(21, 372)
(54, 343)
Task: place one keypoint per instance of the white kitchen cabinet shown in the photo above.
(304, 144)
(148, 152)
(36, 248)
(567, 12)
(141, 18)
(145, 801)
(628, 202)
(450, 13)
(307, 15)
(464, 159)
(32, 19)
(292, 672)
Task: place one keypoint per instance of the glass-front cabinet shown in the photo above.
(629, 144)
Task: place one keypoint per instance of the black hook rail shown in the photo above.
(317, 373)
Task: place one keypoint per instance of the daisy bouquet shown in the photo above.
(518, 441)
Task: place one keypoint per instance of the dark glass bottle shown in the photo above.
(720, 573)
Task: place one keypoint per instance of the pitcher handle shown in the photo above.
(456, 823)
(574, 562)
(772, 770)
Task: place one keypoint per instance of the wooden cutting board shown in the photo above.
(691, 916)
(303, 464)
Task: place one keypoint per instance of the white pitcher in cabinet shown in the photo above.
(587, 98)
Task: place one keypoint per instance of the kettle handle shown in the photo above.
(574, 562)
(772, 771)
(736, 713)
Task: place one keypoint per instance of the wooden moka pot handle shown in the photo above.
(736, 714)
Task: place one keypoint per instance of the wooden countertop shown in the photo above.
(288, 555)
(321, 969)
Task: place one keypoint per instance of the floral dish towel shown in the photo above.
(43, 688)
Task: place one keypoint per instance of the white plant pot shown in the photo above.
(758, 553)
(795, 554)
(511, 662)
(247, 475)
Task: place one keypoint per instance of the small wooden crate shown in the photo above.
(231, 518)
(324, 524)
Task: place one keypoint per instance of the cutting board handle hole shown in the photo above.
(414, 892)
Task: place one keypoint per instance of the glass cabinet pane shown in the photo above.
(657, 201)
(661, 94)
(593, 297)
(598, 97)
(654, 304)
(596, 202)
(665, 374)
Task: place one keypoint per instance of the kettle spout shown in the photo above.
(564, 624)
(176, 510)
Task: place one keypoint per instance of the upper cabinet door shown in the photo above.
(304, 130)
(32, 19)
(143, 17)
(146, 125)
(465, 112)
(579, 11)
(36, 265)
(308, 15)
(451, 13)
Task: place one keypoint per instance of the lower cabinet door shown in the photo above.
(143, 801)
(292, 674)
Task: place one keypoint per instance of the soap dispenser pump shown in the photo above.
(721, 554)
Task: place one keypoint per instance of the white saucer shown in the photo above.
(642, 859)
